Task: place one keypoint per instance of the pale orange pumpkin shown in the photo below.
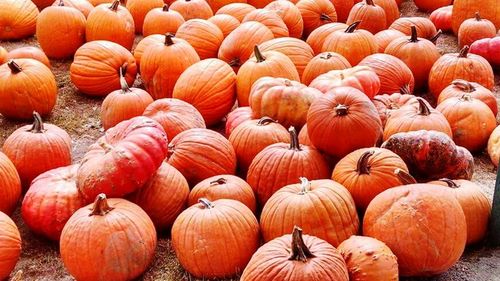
(270, 19)
(319, 35)
(323, 63)
(161, 21)
(299, 52)
(204, 36)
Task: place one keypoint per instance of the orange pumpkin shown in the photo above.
(83, 6)
(11, 185)
(215, 5)
(474, 29)
(385, 37)
(391, 10)
(343, 7)
(259, 3)
(318, 36)
(323, 63)
(18, 19)
(161, 21)
(459, 87)
(42, 4)
(237, 10)
(29, 53)
(393, 73)
(441, 18)
(144, 44)
(236, 117)
(290, 15)
(494, 146)
(225, 23)
(431, 5)
(296, 50)
(270, 19)
(371, 16)
(192, 9)
(10, 245)
(316, 13)
(204, 36)
(387, 103)
(139, 9)
(3, 55)
(464, 9)
(425, 27)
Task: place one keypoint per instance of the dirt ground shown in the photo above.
(79, 116)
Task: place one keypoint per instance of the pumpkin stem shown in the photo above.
(325, 17)
(423, 108)
(37, 124)
(123, 82)
(351, 28)
(168, 39)
(206, 203)
(436, 36)
(305, 185)
(235, 62)
(450, 183)
(327, 56)
(362, 167)
(404, 177)
(300, 252)
(165, 7)
(288, 83)
(414, 37)
(466, 97)
(265, 121)
(61, 3)
(464, 52)
(14, 67)
(405, 90)
(114, 5)
(294, 139)
(258, 54)
(370, 2)
(218, 181)
(341, 110)
(101, 206)
(464, 85)
(477, 16)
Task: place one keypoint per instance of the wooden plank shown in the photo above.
(495, 214)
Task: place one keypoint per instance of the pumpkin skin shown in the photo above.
(117, 222)
(441, 18)
(464, 9)
(144, 44)
(163, 63)
(11, 185)
(139, 9)
(163, 197)
(45, 144)
(252, 136)
(296, 50)
(29, 53)
(371, 16)
(236, 117)
(270, 19)
(369, 259)
(310, 258)
(459, 87)
(323, 63)
(346, 115)
(42, 4)
(51, 200)
(448, 160)
(464, 66)
(192, 9)
(191, 150)
(421, 249)
(425, 27)
(488, 48)
(215, 5)
(342, 8)
(10, 245)
(392, 72)
(290, 15)
(318, 36)
(112, 164)
(385, 37)
(316, 13)
(204, 36)
(60, 30)
(161, 21)
(223, 187)
(18, 19)
(324, 207)
(174, 116)
(201, 252)
(391, 10)
(237, 10)
(474, 29)
(83, 6)
(386, 103)
(431, 5)
(494, 146)
(3, 55)
(111, 22)
(367, 172)
(95, 70)
(225, 23)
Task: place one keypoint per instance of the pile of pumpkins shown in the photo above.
(327, 141)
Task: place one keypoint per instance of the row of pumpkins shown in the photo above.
(305, 137)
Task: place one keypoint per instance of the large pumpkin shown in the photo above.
(323, 63)
(290, 15)
(360, 77)
(225, 23)
(161, 21)
(270, 19)
(474, 29)
(192, 9)
(11, 185)
(144, 44)
(298, 51)
(18, 19)
(464, 9)
(204, 36)
(441, 18)
(10, 245)
(316, 13)
(139, 9)
(425, 27)
(488, 48)
(459, 87)
(385, 37)
(371, 16)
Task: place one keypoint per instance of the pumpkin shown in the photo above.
(360, 77)
(225, 23)
(237, 10)
(99, 2)
(191, 150)
(223, 187)
(10, 245)
(139, 9)
(431, 5)
(174, 116)
(123, 104)
(421, 249)
(3, 55)
(354, 44)
(318, 36)
(238, 46)
(493, 147)
(252, 136)
(192, 9)
(163, 63)
(323, 63)
(236, 117)
(470, 119)
(316, 13)
(270, 19)
(206, 235)
(304, 136)
(298, 51)
(441, 18)
(464, 9)
(459, 87)
(161, 21)
(210, 86)
(259, 3)
(419, 54)
(83, 6)
(475, 204)
(29, 53)
(204, 36)
(367, 172)
(385, 37)
(51, 200)
(342, 8)
(334, 220)
(112, 23)
(271, 63)
(391, 10)
(285, 259)
(116, 222)
(11, 185)
(425, 27)
(42, 4)
(347, 116)
(369, 259)
(474, 29)
(387, 103)
(27, 85)
(215, 5)
(464, 66)
(488, 48)
(163, 197)
(144, 44)
(371, 16)
(447, 161)
(112, 163)
(290, 15)
(18, 19)
(394, 74)
(60, 30)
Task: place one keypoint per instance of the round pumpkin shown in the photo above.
(237, 10)
(11, 185)
(225, 23)
(464, 9)
(494, 146)
(144, 44)
(18, 19)
(299, 52)
(371, 16)
(215, 5)
(10, 245)
(425, 27)
(204, 36)
(385, 37)
(393, 73)
(83, 6)
(270, 19)
(488, 48)
(192, 9)
(236, 117)
(323, 63)
(316, 13)
(387, 103)
(391, 10)
(431, 5)
(459, 87)
(290, 15)
(29, 53)
(441, 18)
(318, 36)
(42, 4)
(360, 77)
(161, 21)
(139, 9)
(474, 29)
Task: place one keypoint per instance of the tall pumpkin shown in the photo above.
(11, 185)
(10, 245)
(192, 9)
(316, 13)
(18, 19)
(139, 9)
(464, 9)
(204, 36)
(161, 21)
(290, 15)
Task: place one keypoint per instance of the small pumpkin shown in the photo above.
(225, 23)
(29, 53)
(425, 27)
(299, 52)
(385, 37)
(474, 29)
(394, 74)
(161, 21)
(323, 63)
(204, 36)
(316, 13)
(270, 19)
(360, 77)
(10, 245)
(441, 18)
(290, 15)
(139, 9)
(372, 17)
(488, 48)
(459, 87)
(237, 10)
(11, 185)
(236, 117)
(318, 36)
(83, 6)
(18, 19)
(192, 9)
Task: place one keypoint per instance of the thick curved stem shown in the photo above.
(423, 108)
(101, 206)
(37, 127)
(294, 139)
(436, 36)
(165, 7)
(305, 185)
(404, 177)
(218, 181)
(351, 28)
(464, 52)
(450, 183)
(114, 5)
(370, 2)
(258, 54)
(464, 85)
(362, 166)
(14, 67)
(168, 39)
(206, 203)
(300, 252)
(325, 17)
(266, 121)
(341, 110)
(414, 36)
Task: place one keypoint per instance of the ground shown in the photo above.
(79, 116)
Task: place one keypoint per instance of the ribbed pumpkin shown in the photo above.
(215, 5)
(44, 144)
(431, 5)
(3, 55)
(163, 197)
(319, 35)
(294, 258)
(316, 13)
(464, 9)
(83, 6)
(474, 29)
(323, 207)
(459, 87)
(96, 67)
(343, 7)
(144, 44)
(421, 248)
(60, 30)
(26, 85)
(122, 160)
(281, 164)
(259, 3)
(224, 187)
(163, 63)
(116, 222)
(174, 116)
(387, 103)
(252, 136)
(111, 22)
(121, 105)
(236, 117)
(354, 44)
(18, 19)
(298, 51)
(29, 53)
(371, 16)
(360, 77)
(323, 63)
(494, 146)
(139, 9)
(281, 99)
(270, 19)
(204, 36)
(191, 150)
(488, 48)
(192, 9)
(51, 200)
(271, 63)
(237, 10)
(11, 185)
(425, 27)
(464, 66)
(441, 18)
(10, 245)
(385, 37)
(225, 23)
(391, 10)
(290, 15)
(206, 235)
(210, 86)
(161, 21)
